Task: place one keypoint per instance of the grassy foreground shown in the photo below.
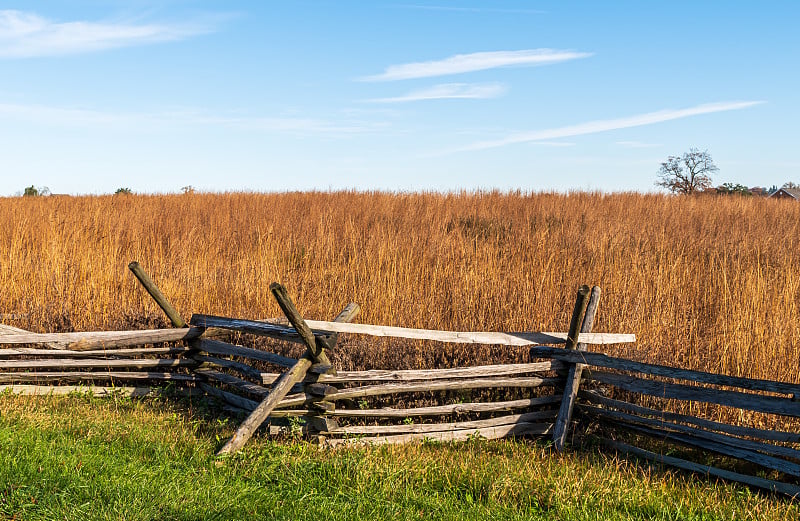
(77, 457)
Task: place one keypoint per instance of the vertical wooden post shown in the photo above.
(583, 314)
(160, 298)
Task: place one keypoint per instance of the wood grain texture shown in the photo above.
(96, 364)
(440, 410)
(217, 347)
(489, 433)
(74, 376)
(95, 353)
(161, 299)
(61, 390)
(321, 327)
(609, 362)
(764, 434)
(103, 339)
(411, 375)
(582, 321)
(413, 428)
(752, 402)
(725, 439)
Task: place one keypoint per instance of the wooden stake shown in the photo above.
(583, 318)
(157, 295)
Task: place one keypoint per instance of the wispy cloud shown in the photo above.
(478, 61)
(71, 117)
(449, 91)
(25, 34)
(605, 125)
(637, 144)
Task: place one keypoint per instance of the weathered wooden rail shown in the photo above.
(308, 395)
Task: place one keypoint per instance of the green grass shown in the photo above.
(77, 457)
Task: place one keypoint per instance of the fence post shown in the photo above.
(160, 298)
(583, 314)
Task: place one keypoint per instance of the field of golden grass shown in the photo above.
(711, 283)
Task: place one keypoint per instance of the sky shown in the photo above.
(393, 95)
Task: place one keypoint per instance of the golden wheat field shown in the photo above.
(710, 283)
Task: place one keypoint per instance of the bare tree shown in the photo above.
(688, 173)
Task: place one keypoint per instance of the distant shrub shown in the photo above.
(32, 191)
(123, 191)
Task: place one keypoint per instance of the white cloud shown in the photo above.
(478, 61)
(24, 35)
(449, 91)
(593, 127)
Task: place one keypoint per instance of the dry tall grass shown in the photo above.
(710, 283)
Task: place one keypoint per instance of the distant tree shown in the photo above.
(32, 191)
(688, 173)
(188, 189)
(790, 185)
(772, 189)
(733, 189)
(123, 191)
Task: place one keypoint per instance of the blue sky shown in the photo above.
(393, 95)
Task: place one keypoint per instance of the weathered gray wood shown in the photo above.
(237, 383)
(116, 353)
(230, 398)
(432, 374)
(349, 312)
(269, 330)
(61, 390)
(9, 330)
(315, 349)
(578, 312)
(322, 328)
(441, 385)
(413, 428)
(440, 410)
(489, 433)
(756, 446)
(765, 461)
(216, 347)
(85, 341)
(766, 484)
(157, 295)
(72, 376)
(753, 402)
(93, 364)
(242, 369)
(260, 413)
(582, 321)
(602, 360)
(471, 337)
(764, 434)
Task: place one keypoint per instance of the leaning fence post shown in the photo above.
(314, 353)
(583, 315)
(160, 298)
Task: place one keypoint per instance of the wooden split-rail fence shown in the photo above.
(308, 395)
